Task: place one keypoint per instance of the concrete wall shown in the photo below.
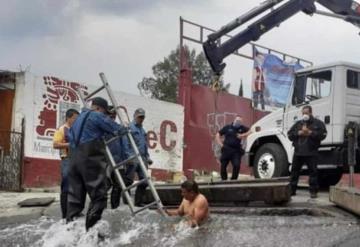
(42, 101)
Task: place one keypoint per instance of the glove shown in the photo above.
(123, 131)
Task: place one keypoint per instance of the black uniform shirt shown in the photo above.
(307, 145)
(230, 132)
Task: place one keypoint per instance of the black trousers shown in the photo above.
(116, 188)
(298, 162)
(233, 155)
(64, 186)
(141, 188)
(87, 174)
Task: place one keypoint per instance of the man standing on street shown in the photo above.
(140, 138)
(231, 149)
(88, 161)
(306, 136)
(61, 142)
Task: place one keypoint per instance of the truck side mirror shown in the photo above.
(327, 119)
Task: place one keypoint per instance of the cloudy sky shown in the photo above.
(77, 39)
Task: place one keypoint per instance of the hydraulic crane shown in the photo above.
(215, 51)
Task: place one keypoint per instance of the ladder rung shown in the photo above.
(147, 206)
(136, 183)
(93, 93)
(131, 158)
(108, 141)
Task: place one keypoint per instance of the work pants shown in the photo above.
(298, 162)
(87, 174)
(64, 187)
(230, 154)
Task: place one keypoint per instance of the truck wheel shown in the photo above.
(327, 178)
(270, 161)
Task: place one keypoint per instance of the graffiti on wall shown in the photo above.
(57, 91)
(52, 97)
(215, 122)
(56, 97)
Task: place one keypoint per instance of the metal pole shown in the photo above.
(352, 135)
(1, 154)
(181, 62)
(181, 31)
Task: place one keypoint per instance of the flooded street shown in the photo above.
(150, 229)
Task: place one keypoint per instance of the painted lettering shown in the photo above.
(164, 133)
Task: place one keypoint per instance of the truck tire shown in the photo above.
(327, 178)
(270, 162)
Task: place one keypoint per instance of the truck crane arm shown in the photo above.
(215, 52)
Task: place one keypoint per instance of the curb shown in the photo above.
(43, 190)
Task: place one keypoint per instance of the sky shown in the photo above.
(77, 39)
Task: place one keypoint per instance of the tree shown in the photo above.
(164, 83)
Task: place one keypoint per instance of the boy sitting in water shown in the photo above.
(194, 205)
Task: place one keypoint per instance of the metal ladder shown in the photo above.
(136, 157)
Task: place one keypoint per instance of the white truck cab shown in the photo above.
(333, 91)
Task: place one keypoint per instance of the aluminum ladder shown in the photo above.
(136, 157)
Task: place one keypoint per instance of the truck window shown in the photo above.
(310, 87)
(353, 79)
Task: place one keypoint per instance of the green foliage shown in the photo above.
(163, 85)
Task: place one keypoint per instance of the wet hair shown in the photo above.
(190, 186)
(70, 113)
(308, 107)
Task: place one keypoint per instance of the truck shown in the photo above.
(332, 90)
(335, 101)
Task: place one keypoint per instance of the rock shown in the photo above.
(37, 202)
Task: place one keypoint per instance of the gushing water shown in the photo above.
(119, 228)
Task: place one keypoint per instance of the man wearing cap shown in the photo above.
(87, 168)
(140, 138)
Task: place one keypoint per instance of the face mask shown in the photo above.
(237, 124)
(305, 117)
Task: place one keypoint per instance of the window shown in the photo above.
(310, 87)
(353, 79)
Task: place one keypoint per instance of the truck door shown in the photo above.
(315, 89)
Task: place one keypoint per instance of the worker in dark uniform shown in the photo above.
(140, 138)
(118, 149)
(87, 168)
(306, 136)
(231, 149)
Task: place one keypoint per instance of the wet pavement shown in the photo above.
(303, 222)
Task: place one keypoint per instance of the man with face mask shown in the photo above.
(231, 149)
(306, 135)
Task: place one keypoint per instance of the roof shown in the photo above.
(332, 64)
